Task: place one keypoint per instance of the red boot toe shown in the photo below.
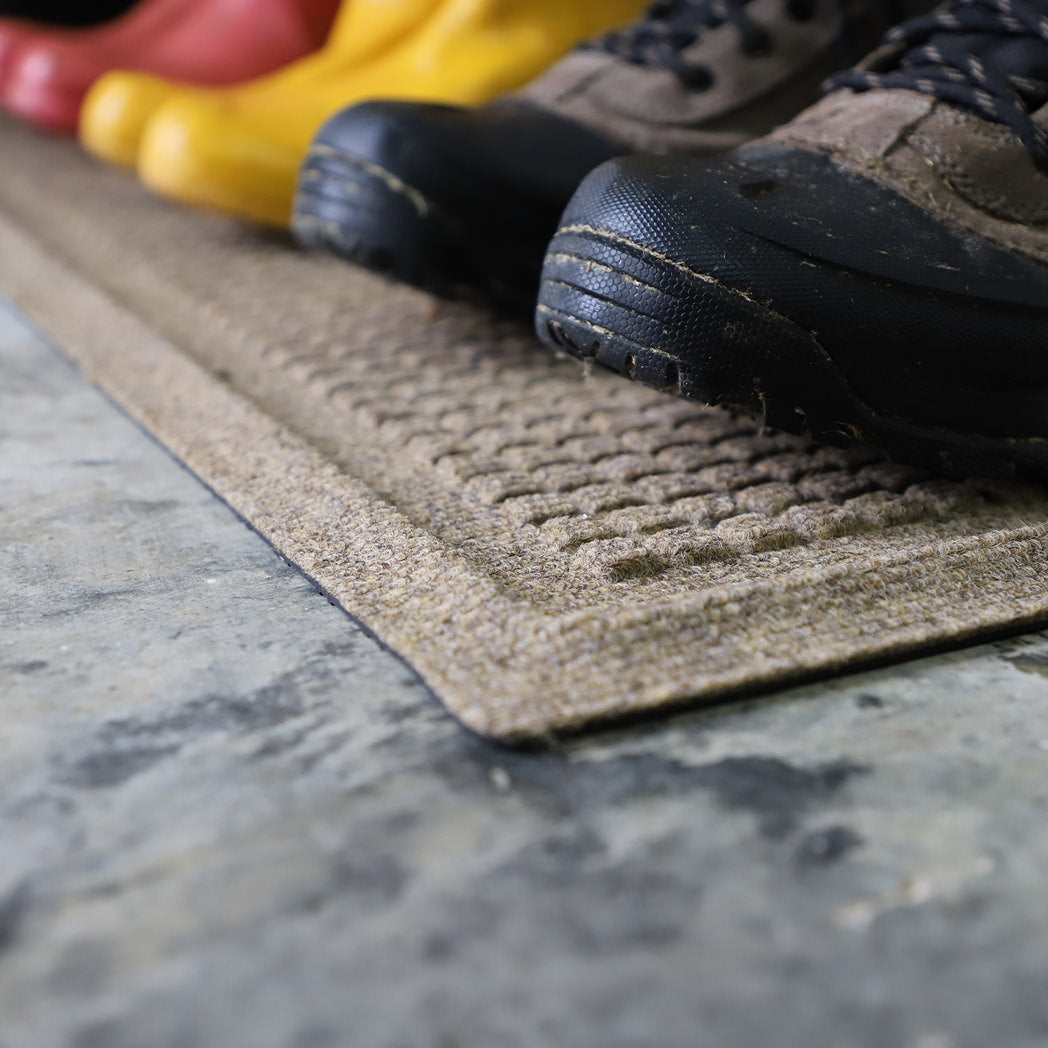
(46, 82)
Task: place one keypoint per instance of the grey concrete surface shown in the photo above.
(229, 818)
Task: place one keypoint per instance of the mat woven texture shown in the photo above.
(545, 548)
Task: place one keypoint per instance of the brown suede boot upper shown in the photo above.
(972, 174)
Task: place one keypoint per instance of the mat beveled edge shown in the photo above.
(546, 673)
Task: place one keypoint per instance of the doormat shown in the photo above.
(547, 548)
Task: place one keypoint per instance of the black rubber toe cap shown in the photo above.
(907, 306)
(445, 197)
(505, 151)
(711, 216)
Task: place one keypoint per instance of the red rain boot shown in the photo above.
(204, 42)
(130, 30)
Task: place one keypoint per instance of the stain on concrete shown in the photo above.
(13, 907)
(776, 792)
(87, 600)
(342, 649)
(773, 790)
(401, 712)
(144, 507)
(554, 854)
(868, 701)
(264, 708)
(289, 695)
(1030, 662)
(33, 666)
(825, 847)
(111, 767)
(274, 747)
(370, 880)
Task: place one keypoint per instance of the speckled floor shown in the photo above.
(229, 818)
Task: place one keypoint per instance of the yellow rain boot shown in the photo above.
(239, 150)
(116, 110)
(118, 107)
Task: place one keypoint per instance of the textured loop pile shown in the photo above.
(546, 549)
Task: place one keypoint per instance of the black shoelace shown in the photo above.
(987, 56)
(671, 26)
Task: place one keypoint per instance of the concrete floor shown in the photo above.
(229, 818)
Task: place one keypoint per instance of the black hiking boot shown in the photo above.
(876, 270)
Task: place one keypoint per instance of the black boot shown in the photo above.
(875, 270)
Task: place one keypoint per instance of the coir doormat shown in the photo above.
(546, 548)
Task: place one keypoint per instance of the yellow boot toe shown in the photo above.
(204, 153)
(115, 113)
(239, 151)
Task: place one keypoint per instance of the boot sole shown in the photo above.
(609, 300)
